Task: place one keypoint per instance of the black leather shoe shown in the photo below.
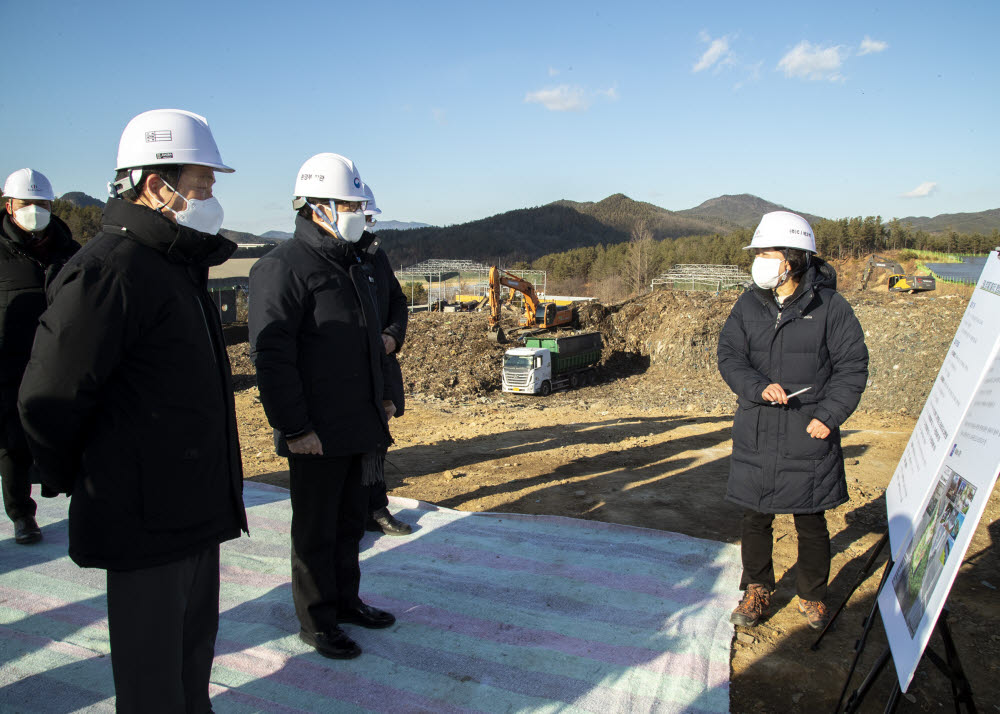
(383, 521)
(366, 616)
(26, 531)
(334, 643)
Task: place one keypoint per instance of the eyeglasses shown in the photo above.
(350, 206)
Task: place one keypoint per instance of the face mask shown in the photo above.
(32, 218)
(201, 215)
(767, 273)
(349, 226)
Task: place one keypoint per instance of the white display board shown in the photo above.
(976, 340)
(946, 476)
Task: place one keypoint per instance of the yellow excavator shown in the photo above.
(538, 316)
(898, 281)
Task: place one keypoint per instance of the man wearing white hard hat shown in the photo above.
(316, 341)
(34, 245)
(394, 316)
(794, 354)
(128, 406)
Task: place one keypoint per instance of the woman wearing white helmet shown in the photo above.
(794, 354)
(316, 341)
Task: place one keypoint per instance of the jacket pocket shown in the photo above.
(183, 480)
(746, 430)
(797, 443)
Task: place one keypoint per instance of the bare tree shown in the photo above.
(637, 259)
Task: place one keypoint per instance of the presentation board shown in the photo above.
(944, 479)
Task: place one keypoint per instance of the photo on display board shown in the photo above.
(932, 543)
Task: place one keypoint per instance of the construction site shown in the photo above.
(642, 437)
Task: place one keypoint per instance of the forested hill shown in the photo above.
(529, 233)
(981, 222)
(520, 235)
(739, 211)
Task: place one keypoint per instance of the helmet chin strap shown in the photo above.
(332, 227)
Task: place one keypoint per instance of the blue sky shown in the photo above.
(456, 111)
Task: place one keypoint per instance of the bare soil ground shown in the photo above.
(649, 446)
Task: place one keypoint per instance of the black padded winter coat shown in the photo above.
(23, 278)
(393, 313)
(813, 340)
(316, 341)
(127, 401)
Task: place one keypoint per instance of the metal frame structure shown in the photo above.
(444, 279)
(701, 277)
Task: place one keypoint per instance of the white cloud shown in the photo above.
(563, 98)
(440, 116)
(611, 93)
(922, 191)
(553, 71)
(717, 52)
(870, 46)
(809, 61)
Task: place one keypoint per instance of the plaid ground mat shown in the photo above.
(496, 613)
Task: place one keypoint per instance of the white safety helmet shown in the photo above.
(169, 136)
(329, 176)
(370, 208)
(783, 229)
(28, 185)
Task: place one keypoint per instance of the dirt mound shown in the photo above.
(449, 356)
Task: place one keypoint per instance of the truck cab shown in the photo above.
(527, 370)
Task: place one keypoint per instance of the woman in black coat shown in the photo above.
(794, 354)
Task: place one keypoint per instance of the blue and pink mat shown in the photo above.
(496, 613)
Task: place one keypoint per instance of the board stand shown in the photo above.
(862, 576)
(949, 665)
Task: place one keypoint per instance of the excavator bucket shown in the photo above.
(498, 336)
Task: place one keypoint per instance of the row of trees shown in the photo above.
(84, 221)
(615, 271)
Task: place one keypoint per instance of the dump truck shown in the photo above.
(547, 363)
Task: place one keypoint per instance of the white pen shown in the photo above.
(795, 394)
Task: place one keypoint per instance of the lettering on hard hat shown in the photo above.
(166, 155)
(33, 187)
(159, 135)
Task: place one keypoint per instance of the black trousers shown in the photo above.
(812, 570)
(377, 497)
(163, 622)
(15, 472)
(329, 508)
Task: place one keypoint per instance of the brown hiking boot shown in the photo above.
(754, 605)
(815, 613)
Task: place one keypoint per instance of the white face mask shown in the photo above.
(203, 215)
(32, 218)
(767, 273)
(349, 226)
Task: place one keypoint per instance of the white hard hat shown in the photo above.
(329, 176)
(370, 208)
(783, 229)
(28, 185)
(169, 136)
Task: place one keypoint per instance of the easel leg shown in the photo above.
(859, 646)
(858, 695)
(951, 667)
(862, 576)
